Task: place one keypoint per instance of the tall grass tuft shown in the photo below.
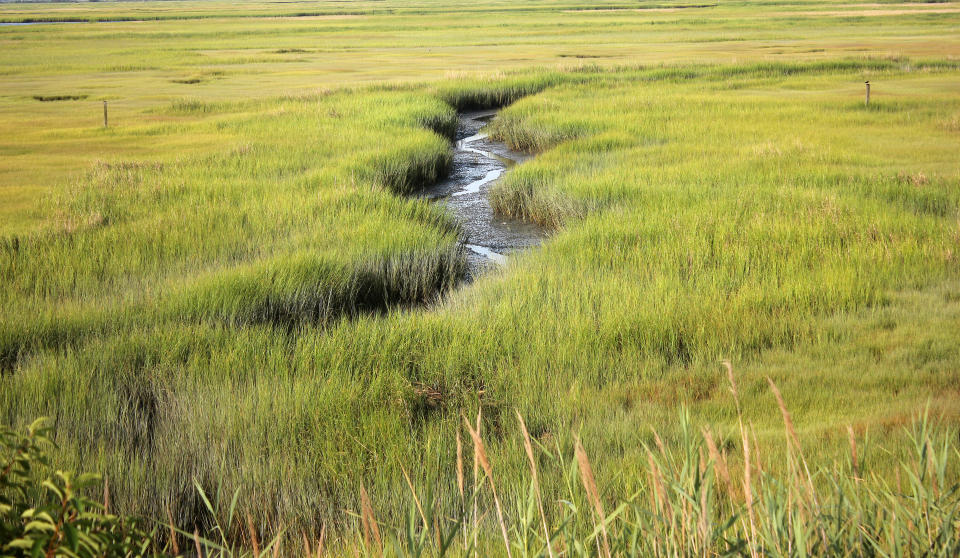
(690, 507)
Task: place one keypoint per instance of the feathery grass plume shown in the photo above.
(659, 495)
(173, 532)
(476, 484)
(459, 465)
(733, 384)
(747, 480)
(321, 541)
(254, 540)
(480, 454)
(528, 448)
(307, 547)
(787, 419)
(196, 542)
(590, 484)
(853, 453)
(792, 436)
(277, 543)
(371, 530)
(659, 442)
(719, 463)
(106, 494)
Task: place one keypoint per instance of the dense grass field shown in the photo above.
(230, 286)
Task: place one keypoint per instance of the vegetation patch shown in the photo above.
(242, 309)
(53, 98)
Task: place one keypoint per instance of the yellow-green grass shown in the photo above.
(759, 213)
(177, 307)
(228, 51)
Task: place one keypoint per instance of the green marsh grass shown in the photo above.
(773, 223)
(705, 495)
(233, 291)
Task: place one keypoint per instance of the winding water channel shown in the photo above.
(478, 162)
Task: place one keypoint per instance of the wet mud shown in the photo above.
(478, 163)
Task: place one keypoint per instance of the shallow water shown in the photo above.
(478, 162)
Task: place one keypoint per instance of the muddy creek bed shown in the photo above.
(478, 162)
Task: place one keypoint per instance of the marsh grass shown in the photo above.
(200, 302)
(224, 300)
(247, 236)
(687, 503)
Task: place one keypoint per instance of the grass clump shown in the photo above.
(53, 98)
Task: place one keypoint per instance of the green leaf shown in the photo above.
(71, 535)
(52, 488)
(23, 543)
(40, 526)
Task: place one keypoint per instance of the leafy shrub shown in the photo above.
(49, 514)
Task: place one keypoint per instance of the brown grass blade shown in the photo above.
(528, 447)
(480, 454)
(254, 541)
(321, 541)
(307, 548)
(196, 542)
(369, 521)
(416, 499)
(719, 463)
(173, 533)
(459, 465)
(106, 494)
(590, 484)
(853, 453)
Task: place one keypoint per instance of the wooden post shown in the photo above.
(868, 93)
(104, 114)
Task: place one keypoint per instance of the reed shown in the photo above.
(680, 512)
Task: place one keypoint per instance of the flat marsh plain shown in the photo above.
(230, 285)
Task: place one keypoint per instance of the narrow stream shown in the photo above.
(478, 162)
